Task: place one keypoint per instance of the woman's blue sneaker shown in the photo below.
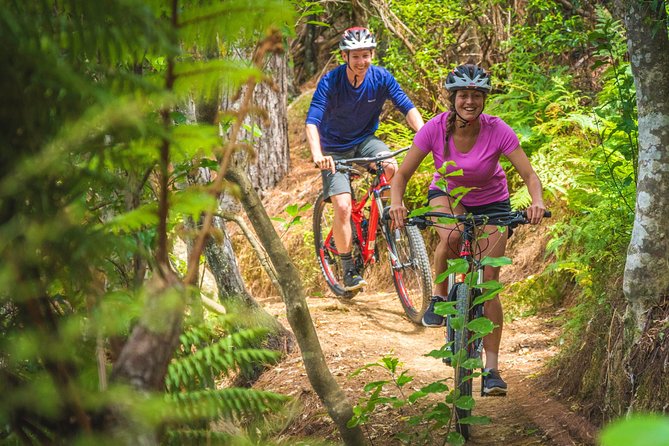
(432, 319)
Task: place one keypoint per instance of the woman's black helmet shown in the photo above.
(468, 77)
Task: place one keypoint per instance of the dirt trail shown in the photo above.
(362, 330)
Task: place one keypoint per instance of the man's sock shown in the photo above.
(347, 262)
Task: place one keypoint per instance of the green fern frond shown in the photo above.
(521, 198)
(206, 355)
(232, 21)
(180, 437)
(211, 361)
(207, 77)
(223, 403)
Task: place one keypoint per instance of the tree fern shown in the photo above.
(212, 404)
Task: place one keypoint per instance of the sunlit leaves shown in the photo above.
(195, 140)
(205, 79)
(216, 27)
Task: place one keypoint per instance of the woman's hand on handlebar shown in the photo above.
(535, 213)
(397, 214)
(324, 163)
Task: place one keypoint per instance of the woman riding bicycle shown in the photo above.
(472, 141)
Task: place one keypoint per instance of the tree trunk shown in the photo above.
(321, 379)
(235, 298)
(146, 355)
(636, 360)
(271, 156)
(646, 278)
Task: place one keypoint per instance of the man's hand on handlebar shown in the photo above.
(324, 163)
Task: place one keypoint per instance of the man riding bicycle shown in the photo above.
(341, 122)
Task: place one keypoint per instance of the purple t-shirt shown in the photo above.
(480, 166)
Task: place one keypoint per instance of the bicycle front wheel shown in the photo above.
(462, 348)
(326, 250)
(410, 267)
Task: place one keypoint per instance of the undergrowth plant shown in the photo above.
(196, 393)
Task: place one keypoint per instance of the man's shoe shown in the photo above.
(493, 384)
(432, 319)
(353, 281)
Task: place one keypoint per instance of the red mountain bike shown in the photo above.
(409, 263)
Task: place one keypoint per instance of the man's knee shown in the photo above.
(341, 204)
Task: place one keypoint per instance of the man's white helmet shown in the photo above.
(357, 38)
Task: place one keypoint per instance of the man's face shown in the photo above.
(358, 60)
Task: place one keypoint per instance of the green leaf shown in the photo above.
(390, 363)
(455, 439)
(481, 325)
(192, 202)
(445, 308)
(496, 261)
(292, 210)
(461, 190)
(435, 387)
(488, 295)
(639, 430)
(420, 211)
(143, 216)
(416, 396)
(194, 140)
(457, 322)
(465, 402)
(404, 379)
(456, 266)
(374, 385)
(474, 420)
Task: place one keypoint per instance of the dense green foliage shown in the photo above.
(90, 122)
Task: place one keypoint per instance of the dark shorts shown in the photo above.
(484, 209)
(338, 182)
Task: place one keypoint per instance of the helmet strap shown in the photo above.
(348, 67)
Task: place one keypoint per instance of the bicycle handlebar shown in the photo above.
(495, 219)
(347, 164)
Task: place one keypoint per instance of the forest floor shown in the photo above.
(362, 330)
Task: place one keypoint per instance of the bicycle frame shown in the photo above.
(379, 184)
(410, 267)
(467, 242)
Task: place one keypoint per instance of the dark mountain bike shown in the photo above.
(467, 293)
(409, 263)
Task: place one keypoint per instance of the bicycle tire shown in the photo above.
(463, 380)
(411, 270)
(327, 256)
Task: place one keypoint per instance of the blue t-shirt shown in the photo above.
(344, 115)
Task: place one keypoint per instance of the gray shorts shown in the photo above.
(340, 183)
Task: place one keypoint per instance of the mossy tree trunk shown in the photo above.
(646, 280)
(638, 377)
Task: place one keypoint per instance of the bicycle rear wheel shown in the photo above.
(463, 376)
(410, 267)
(326, 251)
